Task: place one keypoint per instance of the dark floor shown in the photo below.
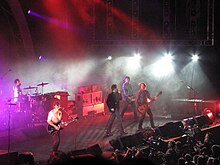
(78, 135)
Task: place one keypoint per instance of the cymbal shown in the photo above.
(11, 103)
(30, 87)
(42, 84)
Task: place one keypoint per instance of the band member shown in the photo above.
(143, 98)
(55, 117)
(17, 94)
(112, 102)
(128, 97)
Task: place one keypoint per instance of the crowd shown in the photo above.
(188, 151)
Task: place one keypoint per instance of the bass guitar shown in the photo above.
(61, 125)
(130, 99)
(142, 108)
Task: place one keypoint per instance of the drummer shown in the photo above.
(17, 93)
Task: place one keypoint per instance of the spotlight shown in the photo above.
(195, 57)
(109, 58)
(41, 58)
(137, 56)
(164, 66)
(168, 57)
(208, 112)
(29, 12)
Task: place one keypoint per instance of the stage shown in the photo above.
(86, 133)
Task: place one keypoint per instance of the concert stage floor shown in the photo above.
(78, 135)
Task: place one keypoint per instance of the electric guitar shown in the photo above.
(59, 124)
(130, 99)
(142, 108)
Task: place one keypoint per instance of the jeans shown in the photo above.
(126, 106)
(143, 116)
(56, 141)
(111, 120)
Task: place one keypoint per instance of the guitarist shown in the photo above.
(128, 97)
(54, 117)
(112, 102)
(143, 97)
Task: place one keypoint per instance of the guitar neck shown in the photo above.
(72, 120)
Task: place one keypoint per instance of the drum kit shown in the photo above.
(33, 102)
(35, 96)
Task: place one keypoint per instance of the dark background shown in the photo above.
(68, 33)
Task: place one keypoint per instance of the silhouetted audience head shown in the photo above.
(136, 161)
(215, 151)
(216, 161)
(181, 161)
(201, 160)
(188, 158)
(91, 159)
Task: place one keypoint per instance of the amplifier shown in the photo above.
(94, 109)
(97, 97)
(84, 89)
(83, 99)
(95, 88)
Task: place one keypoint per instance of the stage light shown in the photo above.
(29, 12)
(41, 58)
(137, 57)
(195, 57)
(109, 58)
(168, 57)
(208, 112)
(164, 66)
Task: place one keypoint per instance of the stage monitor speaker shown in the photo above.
(92, 150)
(128, 141)
(116, 143)
(170, 130)
(203, 121)
(8, 158)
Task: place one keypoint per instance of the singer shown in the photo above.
(54, 119)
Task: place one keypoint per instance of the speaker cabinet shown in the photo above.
(97, 97)
(200, 121)
(203, 121)
(92, 150)
(128, 141)
(83, 99)
(170, 130)
(84, 89)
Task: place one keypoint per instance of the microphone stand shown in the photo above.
(194, 96)
(75, 129)
(194, 101)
